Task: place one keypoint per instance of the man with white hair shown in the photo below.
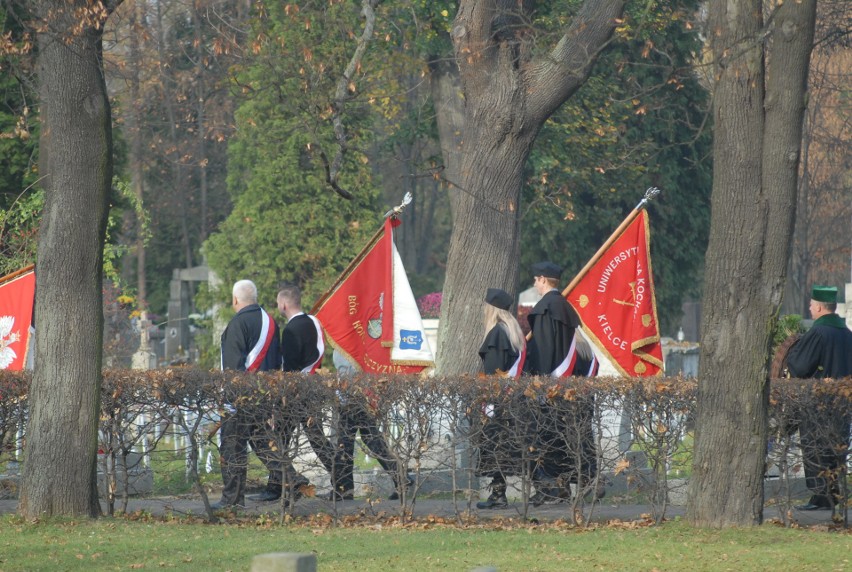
(250, 342)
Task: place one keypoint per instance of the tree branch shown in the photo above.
(568, 65)
(345, 89)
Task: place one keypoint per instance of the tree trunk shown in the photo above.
(175, 156)
(484, 247)
(508, 93)
(136, 157)
(59, 473)
(200, 118)
(756, 154)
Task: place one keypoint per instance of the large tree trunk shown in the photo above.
(756, 156)
(484, 247)
(61, 450)
(508, 94)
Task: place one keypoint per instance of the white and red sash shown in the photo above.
(257, 354)
(518, 366)
(566, 368)
(312, 368)
(592, 370)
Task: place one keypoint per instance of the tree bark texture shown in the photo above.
(508, 93)
(59, 475)
(757, 135)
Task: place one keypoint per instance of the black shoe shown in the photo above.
(266, 496)
(409, 482)
(545, 495)
(335, 496)
(497, 499)
(811, 506)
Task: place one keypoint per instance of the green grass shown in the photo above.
(680, 463)
(114, 544)
(169, 468)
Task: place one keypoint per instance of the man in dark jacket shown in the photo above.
(302, 349)
(249, 343)
(824, 351)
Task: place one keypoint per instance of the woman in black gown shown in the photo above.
(503, 352)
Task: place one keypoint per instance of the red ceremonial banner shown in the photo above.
(615, 301)
(17, 295)
(357, 313)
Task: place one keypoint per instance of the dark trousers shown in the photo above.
(235, 433)
(238, 431)
(566, 443)
(500, 439)
(354, 418)
(282, 463)
(824, 443)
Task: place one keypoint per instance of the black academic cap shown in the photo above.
(547, 269)
(499, 298)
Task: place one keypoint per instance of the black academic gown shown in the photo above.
(498, 438)
(497, 352)
(824, 351)
(553, 322)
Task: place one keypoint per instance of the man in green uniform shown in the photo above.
(824, 351)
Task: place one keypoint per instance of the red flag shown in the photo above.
(367, 316)
(17, 294)
(615, 301)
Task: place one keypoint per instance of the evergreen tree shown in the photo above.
(287, 224)
(20, 200)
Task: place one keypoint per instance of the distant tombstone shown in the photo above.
(177, 338)
(144, 357)
(682, 358)
(284, 562)
(691, 321)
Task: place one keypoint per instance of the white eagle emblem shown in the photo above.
(7, 338)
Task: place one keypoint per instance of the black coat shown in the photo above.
(823, 351)
(497, 352)
(553, 322)
(242, 334)
(299, 343)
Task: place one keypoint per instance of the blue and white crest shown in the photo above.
(410, 339)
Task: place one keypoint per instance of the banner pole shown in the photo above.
(650, 193)
(393, 213)
(17, 273)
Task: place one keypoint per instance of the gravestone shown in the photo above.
(177, 335)
(284, 562)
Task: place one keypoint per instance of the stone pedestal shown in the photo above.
(430, 330)
(140, 479)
